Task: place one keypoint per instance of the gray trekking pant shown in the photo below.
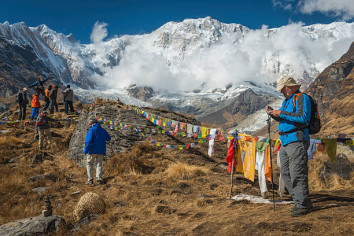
(294, 171)
(94, 159)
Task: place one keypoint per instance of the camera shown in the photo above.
(270, 108)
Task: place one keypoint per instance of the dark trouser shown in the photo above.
(69, 104)
(53, 103)
(46, 105)
(22, 114)
(294, 170)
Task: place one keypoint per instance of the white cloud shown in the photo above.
(285, 4)
(340, 8)
(99, 32)
(261, 55)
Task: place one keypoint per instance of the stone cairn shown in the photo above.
(47, 207)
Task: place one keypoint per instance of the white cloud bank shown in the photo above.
(99, 32)
(260, 55)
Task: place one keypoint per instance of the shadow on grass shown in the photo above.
(338, 201)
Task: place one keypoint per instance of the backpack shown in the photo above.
(41, 120)
(19, 97)
(315, 121)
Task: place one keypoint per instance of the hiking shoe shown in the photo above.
(299, 211)
(99, 182)
(90, 182)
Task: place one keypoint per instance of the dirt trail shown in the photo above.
(146, 193)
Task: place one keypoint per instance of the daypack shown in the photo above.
(19, 97)
(315, 121)
(41, 120)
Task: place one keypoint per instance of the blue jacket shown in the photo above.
(95, 142)
(292, 118)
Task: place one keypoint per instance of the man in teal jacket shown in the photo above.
(95, 149)
(294, 136)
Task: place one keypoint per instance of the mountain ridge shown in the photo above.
(197, 65)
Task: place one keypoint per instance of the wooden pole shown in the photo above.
(232, 177)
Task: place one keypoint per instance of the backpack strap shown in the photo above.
(296, 96)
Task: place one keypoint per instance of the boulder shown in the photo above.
(39, 225)
(49, 176)
(341, 167)
(121, 141)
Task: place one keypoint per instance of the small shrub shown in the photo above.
(185, 171)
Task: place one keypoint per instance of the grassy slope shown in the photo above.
(155, 191)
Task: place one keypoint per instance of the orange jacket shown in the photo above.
(47, 92)
(35, 101)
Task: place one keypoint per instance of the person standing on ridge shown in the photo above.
(39, 86)
(42, 125)
(35, 106)
(95, 149)
(22, 102)
(68, 95)
(53, 99)
(294, 136)
(46, 97)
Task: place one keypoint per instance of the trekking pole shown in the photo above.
(271, 164)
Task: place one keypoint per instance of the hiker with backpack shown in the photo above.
(46, 97)
(39, 86)
(53, 99)
(43, 128)
(95, 149)
(22, 102)
(35, 106)
(294, 118)
(68, 95)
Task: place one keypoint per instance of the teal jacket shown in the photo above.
(294, 120)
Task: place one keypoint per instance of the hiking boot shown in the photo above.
(90, 182)
(299, 211)
(99, 182)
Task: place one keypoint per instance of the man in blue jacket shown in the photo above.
(294, 137)
(95, 149)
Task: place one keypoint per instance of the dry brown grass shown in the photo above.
(319, 179)
(192, 188)
(137, 161)
(181, 170)
(9, 141)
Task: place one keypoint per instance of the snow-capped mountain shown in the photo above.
(200, 66)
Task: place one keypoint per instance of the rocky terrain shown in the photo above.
(334, 91)
(150, 190)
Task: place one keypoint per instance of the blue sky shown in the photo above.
(144, 16)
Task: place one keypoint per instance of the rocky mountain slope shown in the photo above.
(200, 66)
(334, 91)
